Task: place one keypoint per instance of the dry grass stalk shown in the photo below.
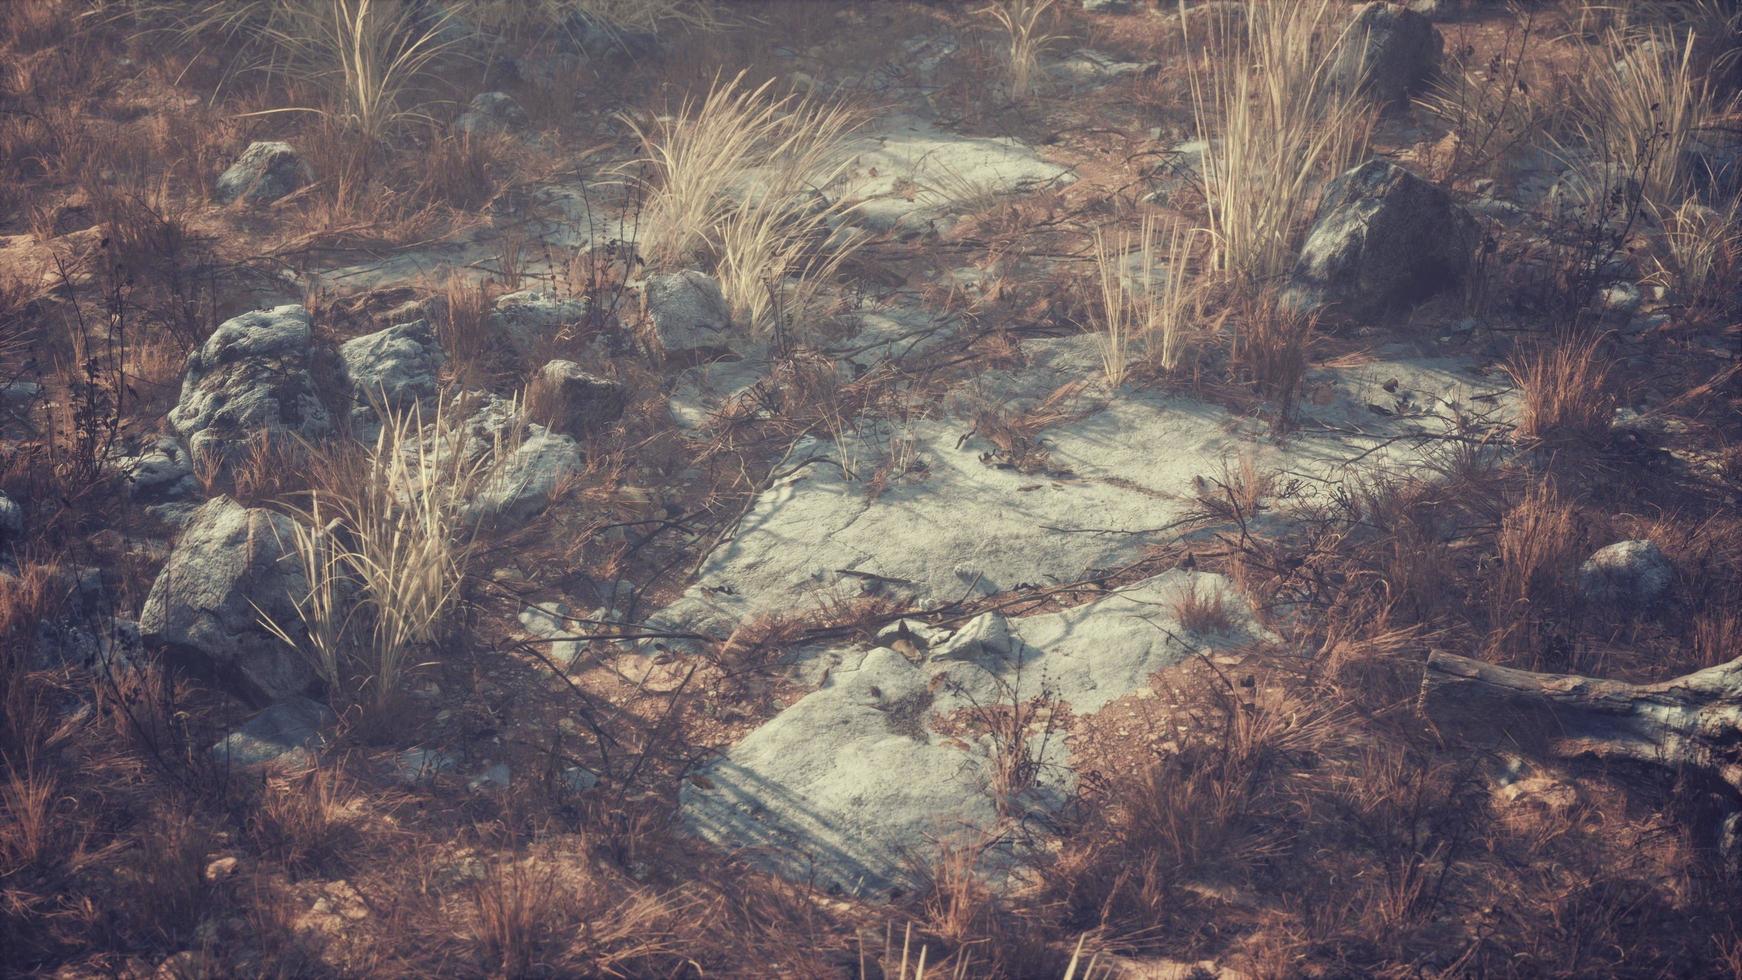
(1564, 390)
(1643, 105)
(1023, 21)
(737, 180)
(384, 545)
(1274, 126)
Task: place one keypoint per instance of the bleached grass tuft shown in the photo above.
(1275, 125)
(1023, 21)
(737, 184)
(1148, 305)
(384, 547)
(1643, 104)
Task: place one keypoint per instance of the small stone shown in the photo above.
(985, 636)
(285, 735)
(494, 777)
(575, 402)
(265, 172)
(1627, 574)
(688, 314)
(220, 868)
(492, 113)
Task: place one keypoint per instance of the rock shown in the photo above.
(528, 478)
(843, 785)
(986, 637)
(159, 472)
(84, 629)
(11, 521)
(1107, 6)
(390, 370)
(531, 318)
(1627, 574)
(1390, 50)
(1383, 239)
(490, 114)
(688, 314)
(922, 636)
(1621, 298)
(231, 566)
(265, 172)
(495, 776)
(220, 868)
(575, 402)
(577, 779)
(1586, 193)
(416, 766)
(563, 645)
(286, 733)
(252, 374)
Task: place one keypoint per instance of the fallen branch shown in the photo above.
(1693, 722)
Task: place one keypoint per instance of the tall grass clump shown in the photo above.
(370, 57)
(1642, 106)
(1142, 303)
(1700, 253)
(1275, 125)
(1023, 21)
(736, 183)
(384, 545)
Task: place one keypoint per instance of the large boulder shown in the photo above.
(1389, 50)
(232, 568)
(252, 374)
(688, 314)
(390, 370)
(1383, 239)
(576, 402)
(265, 172)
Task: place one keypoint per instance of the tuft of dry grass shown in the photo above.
(384, 545)
(1643, 103)
(1275, 126)
(1699, 254)
(738, 182)
(1565, 397)
(1024, 23)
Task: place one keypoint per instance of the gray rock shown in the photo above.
(417, 766)
(496, 776)
(492, 113)
(392, 370)
(1383, 239)
(525, 480)
(552, 624)
(11, 520)
(1622, 298)
(1107, 6)
(1586, 193)
(579, 402)
(1627, 574)
(853, 788)
(232, 566)
(286, 733)
(251, 374)
(1390, 50)
(985, 637)
(577, 779)
(160, 472)
(530, 318)
(265, 172)
(688, 314)
(84, 630)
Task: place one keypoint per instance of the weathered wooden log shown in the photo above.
(1693, 722)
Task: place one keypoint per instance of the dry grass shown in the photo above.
(1275, 126)
(1564, 390)
(737, 182)
(1024, 23)
(1699, 254)
(1643, 103)
(384, 545)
